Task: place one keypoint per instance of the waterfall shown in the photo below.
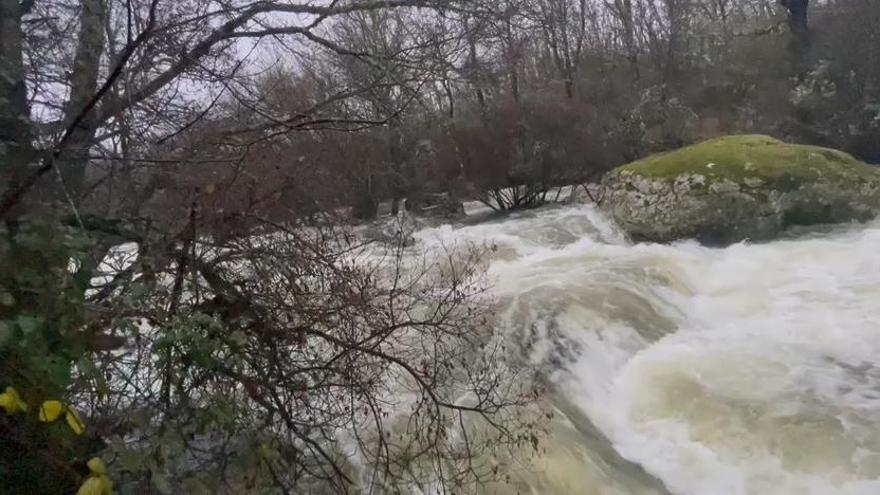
(753, 369)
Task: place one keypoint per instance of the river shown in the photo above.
(753, 369)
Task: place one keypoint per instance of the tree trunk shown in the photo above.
(16, 149)
(366, 206)
(511, 55)
(475, 78)
(629, 36)
(84, 82)
(676, 19)
(798, 24)
(401, 184)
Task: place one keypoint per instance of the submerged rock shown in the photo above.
(441, 206)
(396, 230)
(739, 187)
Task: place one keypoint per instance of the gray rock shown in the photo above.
(394, 230)
(441, 205)
(739, 188)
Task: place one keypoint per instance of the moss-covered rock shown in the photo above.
(739, 187)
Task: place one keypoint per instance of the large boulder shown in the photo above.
(736, 188)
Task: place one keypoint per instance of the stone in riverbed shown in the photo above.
(739, 187)
(438, 205)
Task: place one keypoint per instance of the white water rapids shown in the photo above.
(753, 369)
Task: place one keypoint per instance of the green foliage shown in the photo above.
(41, 307)
(42, 314)
(761, 157)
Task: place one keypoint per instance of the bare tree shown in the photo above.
(161, 49)
(564, 25)
(263, 357)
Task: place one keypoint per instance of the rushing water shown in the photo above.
(681, 369)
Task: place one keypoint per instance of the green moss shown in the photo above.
(738, 158)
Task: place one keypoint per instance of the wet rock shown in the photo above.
(394, 230)
(441, 206)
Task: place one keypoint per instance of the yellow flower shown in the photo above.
(51, 410)
(96, 485)
(11, 402)
(74, 422)
(265, 450)
(96, 466)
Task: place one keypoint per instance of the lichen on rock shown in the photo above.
(738, 188)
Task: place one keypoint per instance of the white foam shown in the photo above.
(767, 379)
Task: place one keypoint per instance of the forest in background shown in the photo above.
(383, 104)
(141, 140)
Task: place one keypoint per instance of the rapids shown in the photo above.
(753, 369)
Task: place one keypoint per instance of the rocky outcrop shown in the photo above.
(441, 205)
(739, 188)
